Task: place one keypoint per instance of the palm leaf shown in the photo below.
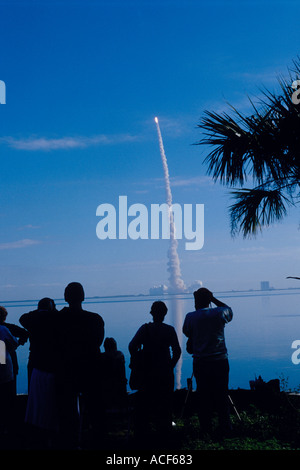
(264, 146)
(256, 208)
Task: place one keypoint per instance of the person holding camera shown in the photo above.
(204, 329)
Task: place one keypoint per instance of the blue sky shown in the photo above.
(84, 81)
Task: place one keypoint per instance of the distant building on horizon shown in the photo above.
(265, 285)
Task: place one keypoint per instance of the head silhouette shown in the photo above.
(3, 314)
(74, 294)
(46, 304)
(158, 311)
(110, 345)
(202, 298)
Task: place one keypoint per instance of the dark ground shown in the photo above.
(259, 415)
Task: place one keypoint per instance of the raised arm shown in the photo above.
(217, 302)
(227, 311)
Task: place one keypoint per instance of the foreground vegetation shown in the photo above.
(272, 423)
(261, 421)
(255, 431)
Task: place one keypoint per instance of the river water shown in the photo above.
(259, 338)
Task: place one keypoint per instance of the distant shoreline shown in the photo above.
(164, 295)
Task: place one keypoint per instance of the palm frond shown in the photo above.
(256, 208)
(264, 146)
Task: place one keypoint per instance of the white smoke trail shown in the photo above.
(176, 283)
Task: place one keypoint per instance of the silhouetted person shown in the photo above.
(81, 334)
(205, 331)
(8, 345)
(41, 324)
(21, 335)
(114, 374)
(154, 398)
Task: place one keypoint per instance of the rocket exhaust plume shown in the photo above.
(176, 282)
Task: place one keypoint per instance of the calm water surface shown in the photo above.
(259, 338)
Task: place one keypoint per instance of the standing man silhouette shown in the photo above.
(206, 342)
(162, 352)
(80, 335)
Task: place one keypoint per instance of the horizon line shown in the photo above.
(138, 296)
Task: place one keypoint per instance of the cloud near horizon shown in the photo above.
(24, 243)
(65, 143)
(173, 127)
